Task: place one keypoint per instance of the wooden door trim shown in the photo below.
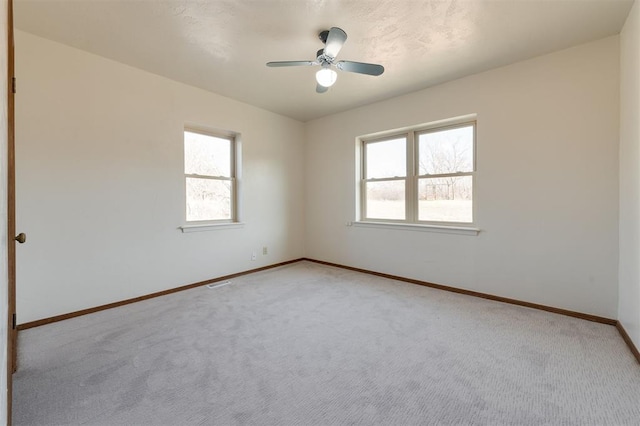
(11, 217)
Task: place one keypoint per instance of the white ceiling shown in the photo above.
(223, 45)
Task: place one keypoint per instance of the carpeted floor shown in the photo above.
(307, 344)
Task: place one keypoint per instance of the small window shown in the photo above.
(209, 168)
(425, 175)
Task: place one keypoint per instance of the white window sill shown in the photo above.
(210, 226)
(444, 229)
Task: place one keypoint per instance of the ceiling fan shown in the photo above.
(333, 40)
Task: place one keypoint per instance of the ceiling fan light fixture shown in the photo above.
(333, 40)
(326, 77)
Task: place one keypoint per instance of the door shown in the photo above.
(12, 333)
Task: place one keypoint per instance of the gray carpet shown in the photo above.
(308, 344)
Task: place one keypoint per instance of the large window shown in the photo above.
(421, 176)
(209, 169)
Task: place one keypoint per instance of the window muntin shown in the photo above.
(434, 187)
(209, 162)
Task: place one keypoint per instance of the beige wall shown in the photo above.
(547, 183)
(629, 300)
(100, 185)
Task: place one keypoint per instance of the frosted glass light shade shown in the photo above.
(326, 77)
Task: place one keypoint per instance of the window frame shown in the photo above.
(412, 178)
(364, 180)
(232, 178)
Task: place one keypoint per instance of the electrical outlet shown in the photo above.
(254, 256)
(265, 251)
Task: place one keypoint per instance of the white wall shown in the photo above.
(547, 183)
(100, 185)
(3, 212)
(629, 299)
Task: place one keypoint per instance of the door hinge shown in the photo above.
(13, 321)
(13, 85)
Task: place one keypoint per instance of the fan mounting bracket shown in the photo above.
(323, 36)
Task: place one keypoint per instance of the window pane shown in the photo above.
(206, 155)
(385, 200)
(445, 199)
(208, 199)
(446, 151)
(386, 159)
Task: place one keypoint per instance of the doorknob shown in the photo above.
(21, 238)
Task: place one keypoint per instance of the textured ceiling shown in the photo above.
(223, 45)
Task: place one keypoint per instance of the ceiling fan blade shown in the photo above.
(335, 40)
(321, 89)
(291, 63)
(360, 67)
